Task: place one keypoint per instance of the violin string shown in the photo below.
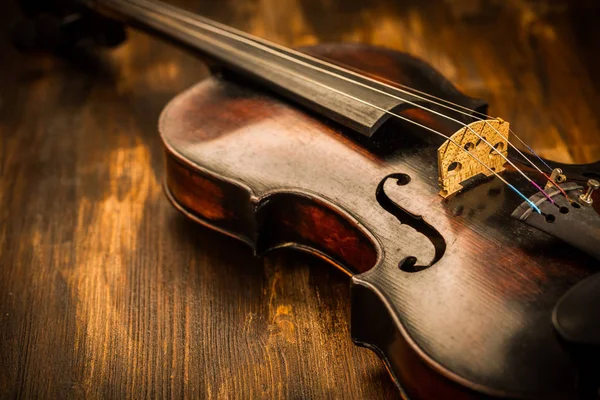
(194, 19)
(474, 114)
(268, 48)
(242, 54)
(469, 112)
(479, 115)
(366, 103)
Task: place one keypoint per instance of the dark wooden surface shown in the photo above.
(106, 291)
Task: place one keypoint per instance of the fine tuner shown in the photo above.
(586, 198)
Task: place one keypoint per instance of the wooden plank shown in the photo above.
(106, 291)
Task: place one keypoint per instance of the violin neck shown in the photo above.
(336, 93)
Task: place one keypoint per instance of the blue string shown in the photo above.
(535, 154)
(525, 198)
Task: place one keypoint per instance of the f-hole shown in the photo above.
(409, 264)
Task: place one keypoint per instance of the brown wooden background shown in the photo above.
(107, 292)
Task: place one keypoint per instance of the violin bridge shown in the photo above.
(455, 166)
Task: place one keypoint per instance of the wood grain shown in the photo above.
(474, 317)
(106, 291)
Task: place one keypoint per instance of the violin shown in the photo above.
(473, 261)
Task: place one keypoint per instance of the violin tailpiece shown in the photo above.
(455, 165)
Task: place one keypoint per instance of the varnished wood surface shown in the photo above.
(471, 314)
(106, 291)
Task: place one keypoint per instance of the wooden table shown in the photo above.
(107, 292)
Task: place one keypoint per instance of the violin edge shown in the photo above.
(369, 308)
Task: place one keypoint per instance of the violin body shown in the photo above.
(466, 284)
(454, 294)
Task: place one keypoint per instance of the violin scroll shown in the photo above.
(62, 26)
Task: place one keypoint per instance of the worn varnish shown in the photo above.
(106, 291)
(480, 315)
